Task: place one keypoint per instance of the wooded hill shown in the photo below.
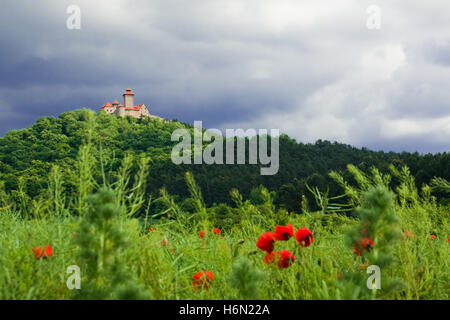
(28, 155)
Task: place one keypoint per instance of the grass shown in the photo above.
(120, 258)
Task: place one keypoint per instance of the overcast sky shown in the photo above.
(312, 69)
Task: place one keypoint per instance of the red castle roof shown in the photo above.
(135, 108)
(129, 92)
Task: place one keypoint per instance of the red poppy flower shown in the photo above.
(408, 234)
(216, 230)
(367, 243)
(202, 279)
(283, 233)
(286, 259)
(364, 266)
(266, 241)
(364, 244)
(433, 236)
(202, 233)
(304, 237)
(42, 252)
(269, 258)
(151, 229)
(448, 238)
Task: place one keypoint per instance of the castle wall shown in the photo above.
(110, 110)
(133, 113)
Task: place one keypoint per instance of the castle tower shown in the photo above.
(128, 99)
(120, 111)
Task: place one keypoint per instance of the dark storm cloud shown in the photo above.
(312, 70)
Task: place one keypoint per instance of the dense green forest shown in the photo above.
(28, 155)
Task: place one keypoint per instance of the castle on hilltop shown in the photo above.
(127, 108)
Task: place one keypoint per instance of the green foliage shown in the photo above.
(196, 193)
(363, 182)
(323, 201)
(102, 241)
(246, 279)
(260, 195)
(56, 193)
(224, 216)
(236, 197)
(379, 226)
(440, 185)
